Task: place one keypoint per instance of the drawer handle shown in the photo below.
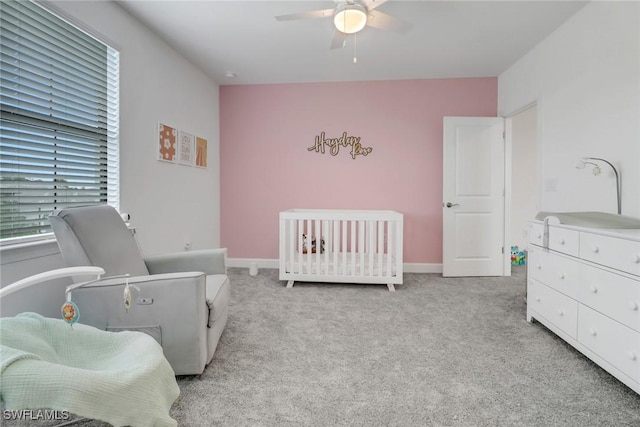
(632, 355)
(637, 259)
(562, 241)
(560, 313)
(593, 289)
(595, 249)
(538, 299)
(539, 236)
(539, 267)
(593, 332)
(561, 275)
(633, 306)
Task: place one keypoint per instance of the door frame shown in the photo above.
(508, 173)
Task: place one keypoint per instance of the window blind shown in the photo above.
(59, 118)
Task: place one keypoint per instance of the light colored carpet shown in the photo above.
(437, 352)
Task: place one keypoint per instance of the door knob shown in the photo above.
(449, 204)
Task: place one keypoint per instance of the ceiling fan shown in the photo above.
(350, 17)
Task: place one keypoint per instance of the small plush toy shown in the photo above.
(514, 255)
(522, 258)
(305, 242)
(518, 257)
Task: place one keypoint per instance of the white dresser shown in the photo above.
(584, 285)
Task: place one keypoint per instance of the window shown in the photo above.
(59, 119)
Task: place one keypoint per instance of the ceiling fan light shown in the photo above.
(350, 19)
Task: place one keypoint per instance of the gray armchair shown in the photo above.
(180, 299)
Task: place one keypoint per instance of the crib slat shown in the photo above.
(354, 247)
(308, 231)
(390, 248)
(321, 247)
(380, 245)
(336, 247)
(361, 247)
(316, 236)
(300, 227)
(372, 245)
(343, 248)
(291, 234)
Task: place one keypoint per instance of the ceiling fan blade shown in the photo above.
(382, 21)
(372, 4)
(338, 40)
(307, 15)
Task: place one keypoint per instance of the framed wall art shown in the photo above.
(185, 148)
(201, 152)
(167, 137)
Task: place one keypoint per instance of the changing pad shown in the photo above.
(593, 219)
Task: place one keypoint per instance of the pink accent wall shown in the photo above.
(265, 166)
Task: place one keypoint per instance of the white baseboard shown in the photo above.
(246, 262)
(421, 267)
(412, 267)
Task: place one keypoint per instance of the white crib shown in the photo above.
(343, 246)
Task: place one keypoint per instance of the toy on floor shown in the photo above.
(518, 257)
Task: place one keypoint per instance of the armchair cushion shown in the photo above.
(81, 236)
(217, 292)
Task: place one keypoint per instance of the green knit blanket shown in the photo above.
(121, 378)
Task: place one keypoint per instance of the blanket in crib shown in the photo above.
(121, 378)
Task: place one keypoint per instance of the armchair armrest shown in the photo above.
(208, 261)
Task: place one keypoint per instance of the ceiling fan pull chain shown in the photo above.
(355, 48)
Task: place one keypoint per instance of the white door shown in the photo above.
(473, 205)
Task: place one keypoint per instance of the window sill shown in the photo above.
(26, 240)
(23, 249)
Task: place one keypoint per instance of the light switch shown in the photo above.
(551, 184)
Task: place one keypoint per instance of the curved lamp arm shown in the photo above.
(50, 275)
(615, 171)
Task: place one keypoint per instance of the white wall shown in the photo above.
(524, 201)
(170, 204)
(585, 78)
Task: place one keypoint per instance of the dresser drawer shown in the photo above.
(614, 342)
(615, 296)
(555, 307)
(536, 233)
(616, 253)
(556, 271)
(564, 240)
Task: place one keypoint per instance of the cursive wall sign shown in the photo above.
(334, 145)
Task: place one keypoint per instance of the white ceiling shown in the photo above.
(446, 39)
